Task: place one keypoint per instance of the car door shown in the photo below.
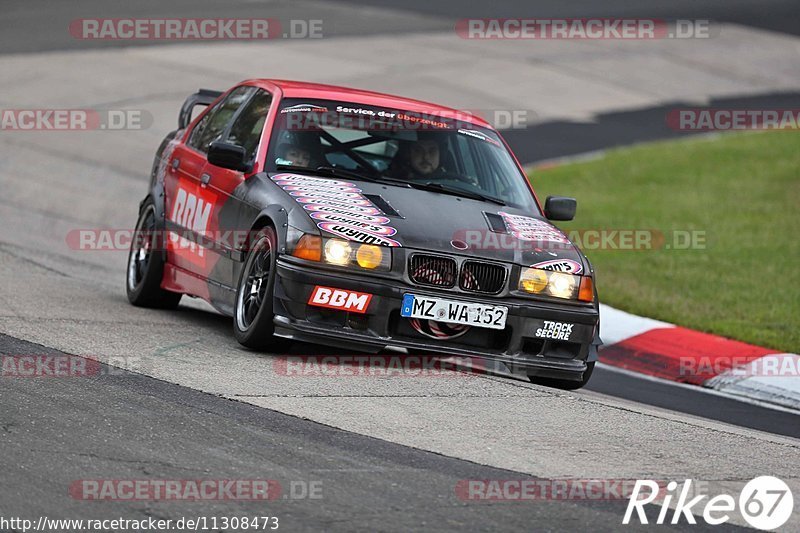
(190, 204)
(245, 130)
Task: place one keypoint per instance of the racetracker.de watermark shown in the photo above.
(622, 239)
(311, 118)
(194, 29)
(535, 489)
(399, 365)
(64, 365)
(708, 119)
(767, 366)
(584, 28)
(74, 119)
(195, 489)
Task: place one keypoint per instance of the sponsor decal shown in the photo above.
(333, 201)
(555, 330)
(352, 233)
(560, 265)
(192, 210)
(531, 229)
(331, 188)
(479, 135)
(352, 301)
(350, 197)
(294, 179)
(326, 216)
(349, 209)
(304, 108)
(327, 193)
(339, 208)
(366, 226)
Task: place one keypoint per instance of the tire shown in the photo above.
(253, 310)
(565, 384)
(145, 267)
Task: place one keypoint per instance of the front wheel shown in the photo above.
(146, 265)
(253, 313)
(565, 384)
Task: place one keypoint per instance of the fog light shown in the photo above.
(369, 256)
(533, 280)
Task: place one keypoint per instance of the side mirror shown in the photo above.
(560, 208)
(227, 155)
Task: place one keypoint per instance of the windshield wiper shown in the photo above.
(346, 173)
(455, 191)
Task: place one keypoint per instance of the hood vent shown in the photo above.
(496, 222)
(383, 205)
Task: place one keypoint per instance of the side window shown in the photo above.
(246, 129)
(214, 122)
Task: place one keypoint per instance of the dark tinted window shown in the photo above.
(214, 123)
(248, 125)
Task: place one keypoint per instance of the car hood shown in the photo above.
(433, 221)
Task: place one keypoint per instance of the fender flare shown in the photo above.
(274, 215)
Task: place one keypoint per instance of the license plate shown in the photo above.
(470, 314)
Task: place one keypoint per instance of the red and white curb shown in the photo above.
(671, 352)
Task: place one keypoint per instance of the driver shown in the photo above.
(291, 154)
(417, 160)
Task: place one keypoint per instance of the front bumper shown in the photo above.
(517, 346)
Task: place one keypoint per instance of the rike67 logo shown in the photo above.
(765, 503)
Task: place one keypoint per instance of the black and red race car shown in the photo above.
(363, 220)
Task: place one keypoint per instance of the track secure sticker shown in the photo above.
(352, 301)
(560, 265)
(555, 330)
(339, 207)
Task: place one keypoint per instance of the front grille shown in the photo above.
(477, 276)
(432, 270)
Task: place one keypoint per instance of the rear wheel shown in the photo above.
(146, 265)
(253, 313)
(564, 383)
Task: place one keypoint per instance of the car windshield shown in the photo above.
(423, 150)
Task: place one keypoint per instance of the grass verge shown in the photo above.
(742, 191)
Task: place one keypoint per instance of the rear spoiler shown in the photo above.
(201, 97)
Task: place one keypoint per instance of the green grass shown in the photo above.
(742, 189)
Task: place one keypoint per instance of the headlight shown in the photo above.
(562, 285)
(556, 284)
(337, 252)
(340, 252)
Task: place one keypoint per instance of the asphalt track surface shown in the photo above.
(388, 453)
(84, 432)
